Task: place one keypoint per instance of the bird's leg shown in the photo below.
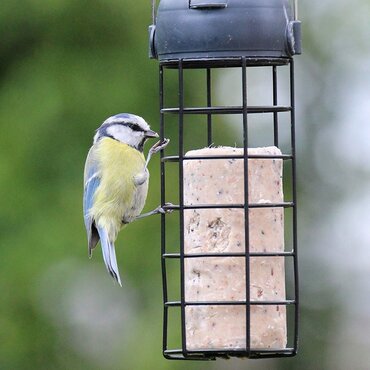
(160, 145)
(142, 177)
(156, 211)
(155, 149)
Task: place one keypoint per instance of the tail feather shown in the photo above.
(109, 255)
(93, 239)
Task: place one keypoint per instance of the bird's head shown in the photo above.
(126, 128)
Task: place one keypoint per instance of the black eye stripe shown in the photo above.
(133, 126)
(103, 130)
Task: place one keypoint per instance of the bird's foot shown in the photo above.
(160, 145)
(159, 210)
(164, 210)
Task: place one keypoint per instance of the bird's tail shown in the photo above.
(109, 255)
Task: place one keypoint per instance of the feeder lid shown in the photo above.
(198, 29)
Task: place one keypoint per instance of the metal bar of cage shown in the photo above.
(181, 200)
(245, 110)
(295, 212)
(235, 254)
(230, 303)
(227, 110)
(209, 104)
(231, 206)
(246, 209)
(174, 158)
(274, 102)
(163, 219)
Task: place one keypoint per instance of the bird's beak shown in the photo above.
(151, 133)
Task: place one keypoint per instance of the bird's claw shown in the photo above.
(163, 211)
(159, 146)
(159, 210)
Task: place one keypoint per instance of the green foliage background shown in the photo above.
(65, 66)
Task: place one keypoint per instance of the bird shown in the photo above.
(116, 181)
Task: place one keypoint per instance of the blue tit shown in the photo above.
(116, 181)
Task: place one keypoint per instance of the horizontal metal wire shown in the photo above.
(175, 158)
(227, 255)
(241, 206)
(177, 354)
(230, 303)
(228, 110)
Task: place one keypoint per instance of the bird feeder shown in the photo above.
(235, 262)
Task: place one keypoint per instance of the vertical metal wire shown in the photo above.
(246, 206)
(181, 200)
(163, 217)
(295, 216)
(209, 104)
(275, 102)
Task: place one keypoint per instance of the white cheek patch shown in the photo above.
(125, 135)
(119, 132)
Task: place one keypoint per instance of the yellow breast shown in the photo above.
(114, 199)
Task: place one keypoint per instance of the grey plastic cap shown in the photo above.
(198, 29)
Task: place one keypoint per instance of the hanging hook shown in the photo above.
(295, 10)
(152, 49)
(153, 11)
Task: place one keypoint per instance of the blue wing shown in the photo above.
(91, 183)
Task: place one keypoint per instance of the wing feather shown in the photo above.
(91, 183)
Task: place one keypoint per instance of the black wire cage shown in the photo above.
(202, 321)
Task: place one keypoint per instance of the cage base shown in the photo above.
(213, 354)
